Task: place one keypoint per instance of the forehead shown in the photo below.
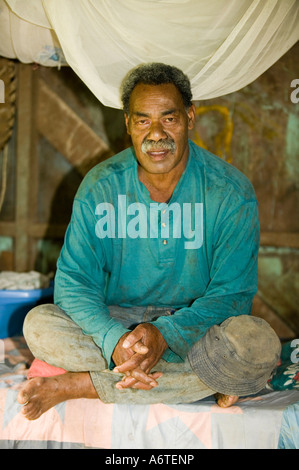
(155, 97)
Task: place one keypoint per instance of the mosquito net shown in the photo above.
(221, 45)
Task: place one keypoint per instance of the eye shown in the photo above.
(170, 120)
(143, 122)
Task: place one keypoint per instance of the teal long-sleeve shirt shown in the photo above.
(196, 254)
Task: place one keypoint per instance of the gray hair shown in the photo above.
(155, 74)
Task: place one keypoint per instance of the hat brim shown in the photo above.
(222, 379)
(238, 356)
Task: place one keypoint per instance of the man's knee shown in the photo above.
(31, 323)
(36, 322)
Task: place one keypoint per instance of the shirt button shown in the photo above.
(163, 224)
(164, 242)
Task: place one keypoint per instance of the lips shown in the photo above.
(158, 150)
(157, 154)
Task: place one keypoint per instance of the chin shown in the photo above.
(158, 168)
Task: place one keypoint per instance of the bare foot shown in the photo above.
(226, 400)
(42, 393)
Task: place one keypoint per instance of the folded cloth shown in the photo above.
(40, 368)
(9, 280)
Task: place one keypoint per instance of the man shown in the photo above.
(162, 246)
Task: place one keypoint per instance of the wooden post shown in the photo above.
(25, 149)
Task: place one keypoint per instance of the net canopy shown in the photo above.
(221, 46)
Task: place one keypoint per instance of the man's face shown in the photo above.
(158, 124)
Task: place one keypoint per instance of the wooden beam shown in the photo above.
(280, 239)
(25, 112)
(47, 230)
(66, 131)
(261, 309)
(7, 229)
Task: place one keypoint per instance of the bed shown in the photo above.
(269, 420)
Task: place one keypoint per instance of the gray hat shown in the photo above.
(237, 357)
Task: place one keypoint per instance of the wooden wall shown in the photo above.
(58, 135)
(256, 129)
(60, 131)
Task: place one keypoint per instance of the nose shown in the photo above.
(156, 131)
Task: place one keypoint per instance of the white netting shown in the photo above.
(221, 46)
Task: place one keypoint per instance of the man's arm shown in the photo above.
(80, 291)
(233, 282)
(81, 279)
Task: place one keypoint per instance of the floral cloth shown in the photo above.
(286, 376)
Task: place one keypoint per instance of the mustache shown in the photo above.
(151, 145)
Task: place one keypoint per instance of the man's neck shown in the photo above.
(160, 186)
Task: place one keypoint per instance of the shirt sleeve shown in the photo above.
(81, 279)
(232, 285)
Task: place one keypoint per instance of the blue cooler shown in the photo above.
(14, 306)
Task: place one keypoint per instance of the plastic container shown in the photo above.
(14, 306)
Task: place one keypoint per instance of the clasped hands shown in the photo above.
(136, 353)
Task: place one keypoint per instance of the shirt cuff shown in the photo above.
(110, 340)
(177, 350)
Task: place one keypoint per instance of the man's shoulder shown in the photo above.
(108, 172)
(119, 163)
(220, 175)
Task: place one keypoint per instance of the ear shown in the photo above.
(191, 116)
(127, 123)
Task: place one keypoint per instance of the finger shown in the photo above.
(131, 382)
(134, 337)
(146, 378)
(126, 382)
(142, 386)
(138, 375)
(130, 364)
(141, 376)
(136, 361)
(139, 348)
(135, 385)
(156, 375)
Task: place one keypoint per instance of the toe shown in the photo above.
(22, 397)
(225, 401)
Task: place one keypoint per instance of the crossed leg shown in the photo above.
(51, 335)
(42, 393)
